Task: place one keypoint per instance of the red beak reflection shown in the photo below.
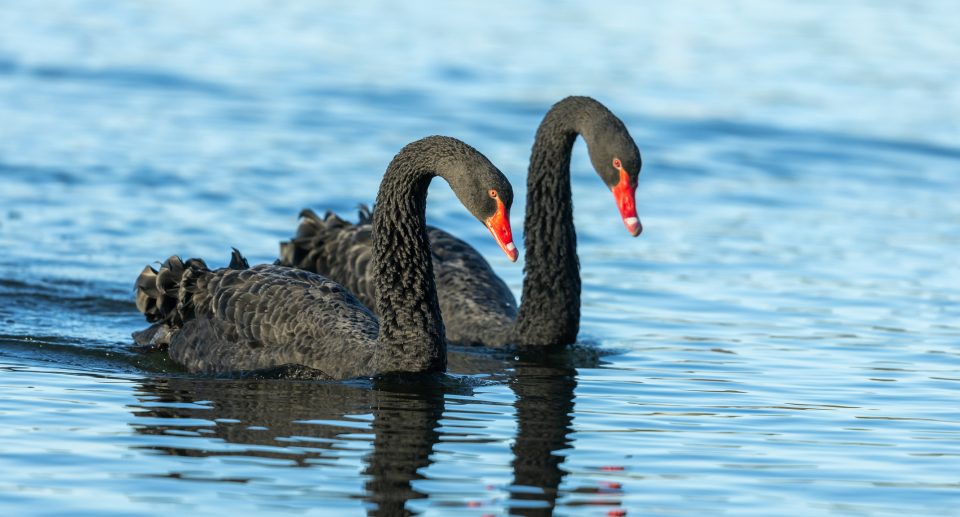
(625, 195)
(499, 226)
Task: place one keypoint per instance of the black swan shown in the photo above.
(477, 306)
(240, 318)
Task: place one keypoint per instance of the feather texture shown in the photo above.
(242, 318)
(477, 306)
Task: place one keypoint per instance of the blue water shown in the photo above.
(783, 339)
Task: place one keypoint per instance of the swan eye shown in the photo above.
(616, 164)
(493, 193)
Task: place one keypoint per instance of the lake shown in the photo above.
(782, 339)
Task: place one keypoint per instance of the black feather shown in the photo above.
(477, 306)
(242, 318)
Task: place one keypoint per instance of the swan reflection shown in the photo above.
(391, 427)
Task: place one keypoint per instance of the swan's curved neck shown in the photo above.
(411, 331)
(550, 304)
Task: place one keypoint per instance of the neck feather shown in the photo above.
(411, 330)
(550, 305)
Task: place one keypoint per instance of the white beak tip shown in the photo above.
(633, 225)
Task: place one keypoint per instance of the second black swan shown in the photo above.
(242, 318)
(478, 308)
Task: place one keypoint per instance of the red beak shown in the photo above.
(625, 195)
(499, 226)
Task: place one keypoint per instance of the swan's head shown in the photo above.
(616, 159)
(486, 193)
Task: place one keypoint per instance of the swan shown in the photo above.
(242, 318)
(478, 308)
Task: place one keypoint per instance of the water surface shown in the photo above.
(781, 340)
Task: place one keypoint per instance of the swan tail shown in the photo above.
(237, 260)
(315, 241)
(364, 214)
(165, 295)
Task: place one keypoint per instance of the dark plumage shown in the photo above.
(240, 318)
(466, 284)
(478, 307)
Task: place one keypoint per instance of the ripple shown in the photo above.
(778, 341)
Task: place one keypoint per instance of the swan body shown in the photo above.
(474, 301)
(250, 318)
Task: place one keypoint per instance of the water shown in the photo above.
(781, 340)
